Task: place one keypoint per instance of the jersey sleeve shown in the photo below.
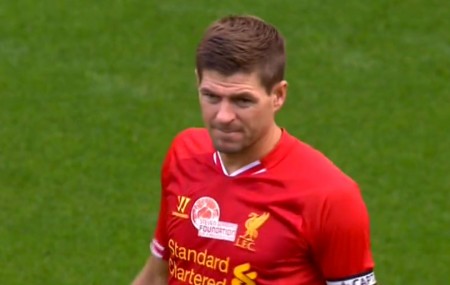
(158, 246)
(342, 243)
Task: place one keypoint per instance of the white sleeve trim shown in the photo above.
(366, 279)
(157, 249)
(158, 245)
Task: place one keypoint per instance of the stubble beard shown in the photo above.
(234, 148)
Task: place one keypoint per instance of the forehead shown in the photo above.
(233, 84)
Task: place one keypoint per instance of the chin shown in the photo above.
(228, 148)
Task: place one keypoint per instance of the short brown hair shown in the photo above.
(243, 44)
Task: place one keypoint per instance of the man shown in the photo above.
(243, 201)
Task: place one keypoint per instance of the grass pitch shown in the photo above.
(91, 93)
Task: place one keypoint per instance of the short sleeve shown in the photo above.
(158, 246)
(342, 239)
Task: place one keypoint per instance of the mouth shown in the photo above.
(224, 131)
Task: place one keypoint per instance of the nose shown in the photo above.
(225, 113)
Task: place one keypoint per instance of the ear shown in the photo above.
(197, 77)
(279, 93)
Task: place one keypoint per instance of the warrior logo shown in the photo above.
(183, 201)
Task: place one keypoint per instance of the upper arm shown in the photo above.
(158, 270)
(155, 272)
(158, 245)
(342, 242)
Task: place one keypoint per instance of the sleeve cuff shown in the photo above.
(157, 249)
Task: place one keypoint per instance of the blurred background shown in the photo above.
(92, 93)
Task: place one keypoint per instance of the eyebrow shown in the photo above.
(204, 90)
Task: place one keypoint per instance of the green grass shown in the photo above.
(91, 93)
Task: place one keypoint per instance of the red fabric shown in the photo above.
(302, 221)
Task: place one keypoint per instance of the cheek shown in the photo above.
(257, 120)
(265, 119)
(207, 112)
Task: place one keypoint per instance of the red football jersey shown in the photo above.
(291, 218)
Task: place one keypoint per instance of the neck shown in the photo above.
(254, 152)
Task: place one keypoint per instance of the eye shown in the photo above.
(243, 102)
(211, 97)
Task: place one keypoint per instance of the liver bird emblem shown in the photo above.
(253, 223)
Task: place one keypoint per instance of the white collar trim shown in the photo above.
(216, 157)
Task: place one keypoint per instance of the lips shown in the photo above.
(226, 131)
(227, 135)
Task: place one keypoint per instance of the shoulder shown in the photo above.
(308, 165)
(334, 199)
(317, 179)
(192, 141)
(189, 148)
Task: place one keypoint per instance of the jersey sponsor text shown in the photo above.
(242, 274)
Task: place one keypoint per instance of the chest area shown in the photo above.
(236, 222)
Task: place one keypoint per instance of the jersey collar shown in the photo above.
(258, 166)
(250, 169)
